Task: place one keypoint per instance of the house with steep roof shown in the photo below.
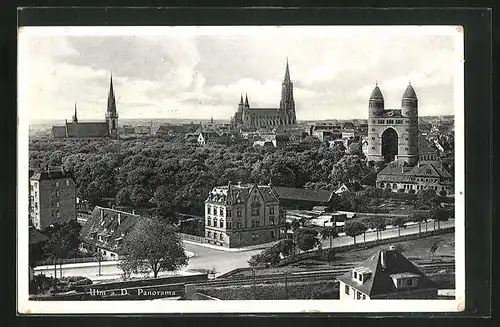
(354, 187)
(426, 175)
(387, 274)
(104, 231)
(292, 197)
(243, 215)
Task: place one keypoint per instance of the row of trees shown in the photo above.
(177, 176)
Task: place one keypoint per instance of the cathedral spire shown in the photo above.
(287, 72)
(75, 117)
(111, 100)
(246, 101)
(241, 98)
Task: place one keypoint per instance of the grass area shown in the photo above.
(413, 250)
(293, 291)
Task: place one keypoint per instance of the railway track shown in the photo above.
(317, 275)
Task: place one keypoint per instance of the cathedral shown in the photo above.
(393, 133)
(268, 117)
(107, 128)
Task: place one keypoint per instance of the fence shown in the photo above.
(192, 238)
(49, 262)
(344, 248)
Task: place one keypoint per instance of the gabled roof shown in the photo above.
(430, 169)
(108, 226)
(424, 145)
(232, 194)
(354, 186)
(302, 194)
(269, 112)
(380, 282)
(50, 174)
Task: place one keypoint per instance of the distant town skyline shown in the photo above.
(198, 73)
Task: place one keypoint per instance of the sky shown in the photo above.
(200, 72)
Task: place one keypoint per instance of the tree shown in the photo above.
(441, 214)
(354, 228)
(306, 239)
(64, 240)
(377, 224)
(153, 246)
(399, 222)
(330, 233)
(427, 199)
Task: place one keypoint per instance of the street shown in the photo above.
(212, 259)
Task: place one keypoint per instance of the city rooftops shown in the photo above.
(51, 173)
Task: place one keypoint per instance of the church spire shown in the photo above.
(111, 100)
(75, 117)
(246, 101)
(241, 98)
(287, 72)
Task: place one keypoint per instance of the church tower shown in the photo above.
(111, 114)
(409, 110)
(287, 103)
(75, 117)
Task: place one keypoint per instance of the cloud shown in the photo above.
(202, 72)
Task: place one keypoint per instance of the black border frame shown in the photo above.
(477, 24)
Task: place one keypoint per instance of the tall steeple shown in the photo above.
(287, 103)
(111, 112)
(241, 98)
(75, 117)
(246, 101)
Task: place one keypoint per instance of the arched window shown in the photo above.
(394, 186)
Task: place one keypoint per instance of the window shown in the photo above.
(364, 297)
(209, 221)
(358, 295)
(255, 211)
(381, 121)
(254, 236)
(399, 121)
(208, 233)
(409, 282)
(373, 137)
(229, 213)
(221, 237)
(390, 121)
(347, 289)
(221, 223)
(271, 211)
(209, 210)
(67, 182)
(238, 213)
(228, 225)
(222, 212)
(406, 149)
(239, 224)
(273, 234)
(373, 129)
(255, 199)
(271, 221)
(373, 148)
(215, 235)
(355, 275)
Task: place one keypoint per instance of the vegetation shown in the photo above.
(273, 254)
(306, 238)
(354, 228)
(175, 176)
(152, 246)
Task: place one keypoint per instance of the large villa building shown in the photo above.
(243, 215)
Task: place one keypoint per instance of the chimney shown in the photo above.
(391, 248)
(119, 218)
(383, 259)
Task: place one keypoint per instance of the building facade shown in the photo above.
(52, 198)
(393, 133)
(247, 117)
(386, 275)
(243, 215)
(77, 129)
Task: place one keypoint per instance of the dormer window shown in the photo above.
(361, 274)
(405, 280)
